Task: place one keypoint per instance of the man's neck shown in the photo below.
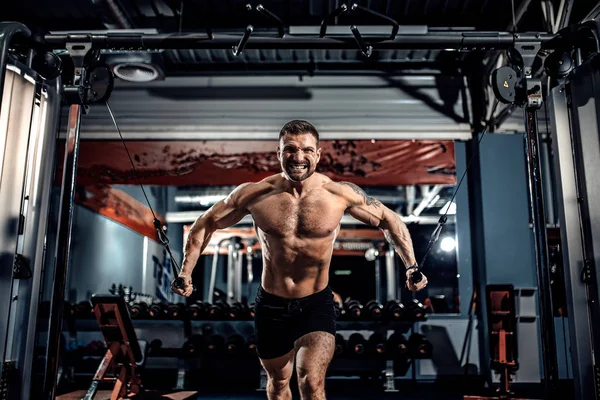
(297, 188)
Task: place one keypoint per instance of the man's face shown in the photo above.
(298, 156)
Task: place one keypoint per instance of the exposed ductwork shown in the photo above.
(118, 15)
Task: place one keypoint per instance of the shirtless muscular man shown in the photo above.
(297, 216)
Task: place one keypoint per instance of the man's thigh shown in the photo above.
(314, 352)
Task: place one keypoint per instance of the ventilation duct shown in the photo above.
(136, 67)
(136, 72)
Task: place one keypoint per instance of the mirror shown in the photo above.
(414, 178)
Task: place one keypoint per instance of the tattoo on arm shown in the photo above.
(368, 200)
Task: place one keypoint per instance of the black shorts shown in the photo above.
(279, 322)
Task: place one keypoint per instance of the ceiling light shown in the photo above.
(448, 244)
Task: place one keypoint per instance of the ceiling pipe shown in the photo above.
(119, 15)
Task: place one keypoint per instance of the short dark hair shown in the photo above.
(298, 127)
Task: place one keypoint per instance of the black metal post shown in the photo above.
(67, 203)
(476, 83)
(583, 88)
(67, 198)
(538, 215)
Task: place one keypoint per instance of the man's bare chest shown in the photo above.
(284, 215)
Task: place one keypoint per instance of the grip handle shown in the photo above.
(179, 283)
(416, 277)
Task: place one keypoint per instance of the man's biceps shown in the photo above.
(361, 214)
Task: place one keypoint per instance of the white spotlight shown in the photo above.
(448, 244)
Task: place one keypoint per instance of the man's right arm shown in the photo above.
(222, 214)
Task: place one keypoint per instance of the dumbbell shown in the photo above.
(214, 344)
(353, 309)
(113, 289)
(217, 311)
(340, 345)
(416, 311)
(138, 310)
(396, 346)
(234, 344)
(373, 310)
(193, 346)
(356, 344)
(247, 313)
(197, 310)
(251, 345)
(393, 310)
(419, 346)
(376, 344)
(157, 311)
(175, 311)
(235, 311)
(251, 311)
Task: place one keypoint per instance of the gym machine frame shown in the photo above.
(77, 96)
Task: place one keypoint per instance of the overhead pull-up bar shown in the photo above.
(455, 40)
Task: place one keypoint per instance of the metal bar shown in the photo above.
(547, 182)
(571, 244)
(427, 198)
(213, 132)
(565, 16)
(585, 119)
(231, 258)
(366, 67)
(214, 266)
(519, 14)
(239, 262)
(395, 26)
(7, 31)
(63, 247)
(476, 83)
(431, 40)
(532, 148)
(280, 28)
(331, 17)
(377, 265)
(391, 278)
(250, 272)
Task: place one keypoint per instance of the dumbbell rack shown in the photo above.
(185, 327)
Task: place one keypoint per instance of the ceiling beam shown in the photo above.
(457, 40)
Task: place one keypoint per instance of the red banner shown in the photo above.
(218, 163)
(118, 206)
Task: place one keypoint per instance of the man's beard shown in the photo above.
(298, 176)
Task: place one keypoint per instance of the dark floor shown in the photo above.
(416, 392)
(447, 389)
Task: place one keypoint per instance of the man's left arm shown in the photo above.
(370, 211)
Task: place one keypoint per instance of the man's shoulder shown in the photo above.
(341, 187)
(338, 188)
(268, 181)
(347, 190)
(249, 190)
